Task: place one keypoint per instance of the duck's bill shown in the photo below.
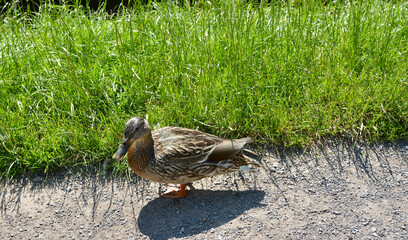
(121, 152)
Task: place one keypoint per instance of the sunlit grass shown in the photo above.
(282, 73)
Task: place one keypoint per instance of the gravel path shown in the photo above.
(335, 190)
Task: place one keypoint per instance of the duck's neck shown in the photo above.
(140, 153)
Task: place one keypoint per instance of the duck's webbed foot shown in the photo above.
(175, 192)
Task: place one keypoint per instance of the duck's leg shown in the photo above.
(174, 193)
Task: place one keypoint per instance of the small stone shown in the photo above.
(68, 189)
(373, 229)
(205, 219)
(37, 179)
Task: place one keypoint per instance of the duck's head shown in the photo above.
(136, 128)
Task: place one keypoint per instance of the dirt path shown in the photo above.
(333, 191)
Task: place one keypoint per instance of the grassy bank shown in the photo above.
(284, 73)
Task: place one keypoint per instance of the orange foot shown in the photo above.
(175, 193)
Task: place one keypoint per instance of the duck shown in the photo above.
(180, 156)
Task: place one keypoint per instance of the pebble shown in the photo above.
(37, 179)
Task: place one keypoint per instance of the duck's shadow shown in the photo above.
(200, 211)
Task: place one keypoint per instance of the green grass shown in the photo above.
(283, 73)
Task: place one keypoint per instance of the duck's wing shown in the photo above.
(181, 145)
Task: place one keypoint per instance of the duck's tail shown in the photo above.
(246, 160)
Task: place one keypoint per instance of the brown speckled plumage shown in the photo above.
(179, 155)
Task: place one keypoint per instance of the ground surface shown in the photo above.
(336, 190)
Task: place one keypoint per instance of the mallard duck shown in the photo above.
(176, 155)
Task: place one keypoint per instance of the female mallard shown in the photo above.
(179, 155)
